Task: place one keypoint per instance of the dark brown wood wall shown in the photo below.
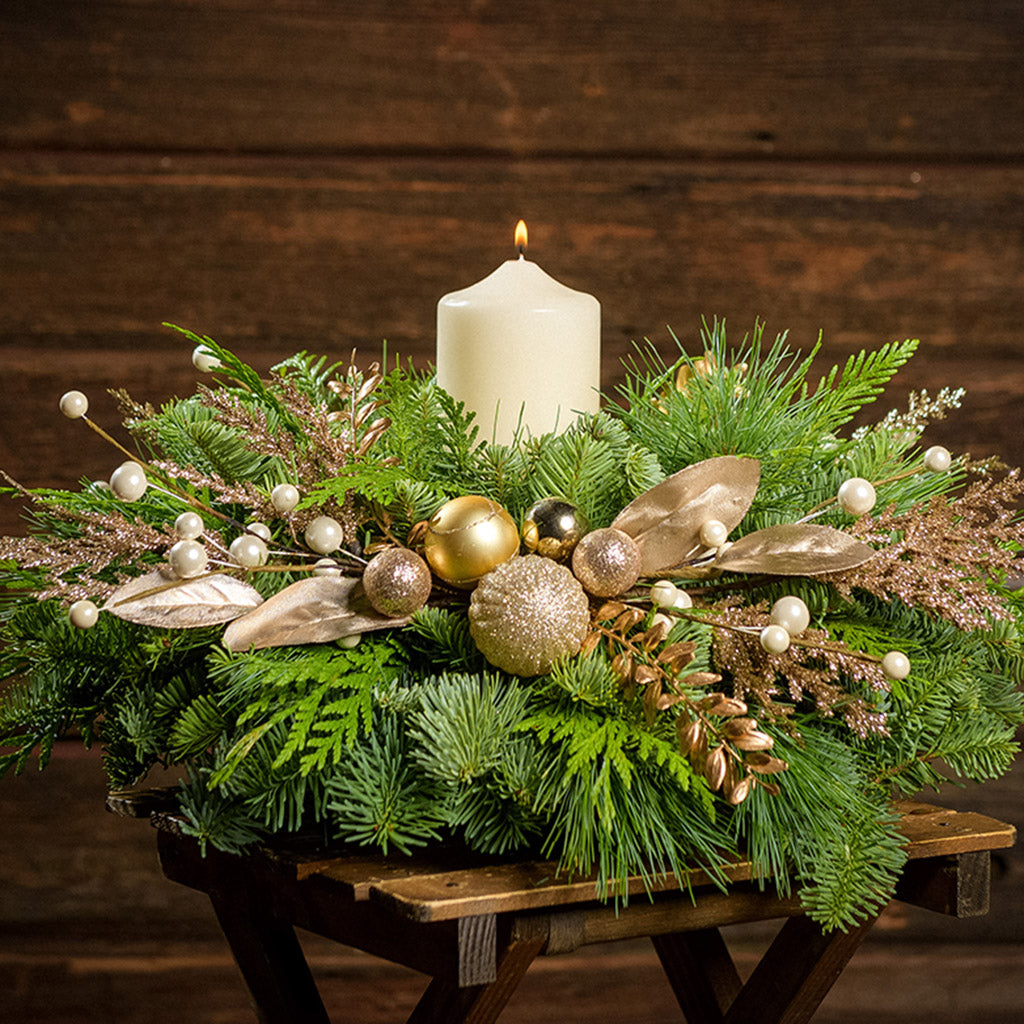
(315, 174)
(303, 174)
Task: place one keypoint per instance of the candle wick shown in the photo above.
(522, 251)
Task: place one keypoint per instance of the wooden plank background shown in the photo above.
(316, 174)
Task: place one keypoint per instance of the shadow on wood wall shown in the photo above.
(314, 174)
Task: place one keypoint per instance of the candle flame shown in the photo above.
(521, 237)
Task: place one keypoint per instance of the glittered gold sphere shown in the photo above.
(553, 528)
(528, 613)
(397, 582)
(607, 562)
(467, 537)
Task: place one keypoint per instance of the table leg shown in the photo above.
(445, 1002)
(795, 974)
(701, 972)
(271, 960)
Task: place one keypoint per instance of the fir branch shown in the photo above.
(464, 724)
(378, 797)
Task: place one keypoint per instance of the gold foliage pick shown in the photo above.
(315, 610)
(665, 521)
(160, 599)
(794, 549)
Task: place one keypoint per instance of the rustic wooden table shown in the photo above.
(475, 928)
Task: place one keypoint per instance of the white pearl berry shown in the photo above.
(324, 535)
(791, 614)
(259, 530)
(663, 620)
(775, 639)
(204, 360)
(937, 459)
(714, 533)
(74, 405)
(284, 497)
(248, 550)
(350, 641)
(187, 558)
(857, 496)
(189, 526)
(128, 481)
(663, 594)
(83, 614)
(896, 665)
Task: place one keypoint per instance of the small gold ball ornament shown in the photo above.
(528, 613)
(468, 537)
(552, 528)
(607, 562)
(397, 582)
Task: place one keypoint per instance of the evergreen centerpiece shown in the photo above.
(699, 622)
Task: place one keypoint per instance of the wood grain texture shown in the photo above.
(277, 254)
(796, 973)
(800, 78)
(316, 174)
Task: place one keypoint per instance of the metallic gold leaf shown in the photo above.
(715, 768)
(794, 549)
(685, 648)
(622, 666)
(701, 679)
(765, 763)
(729, 706)
(738, 793)
(644, 675)
(315, 610)
(690, 734)
(610, 610)
(753, 740)
(738, 726)
(665, 521)
(161, 599)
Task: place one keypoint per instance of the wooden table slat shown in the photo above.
(931, 832)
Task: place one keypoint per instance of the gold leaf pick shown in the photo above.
(159, 599)
(315, 610)
(665, 521)
(794, 549)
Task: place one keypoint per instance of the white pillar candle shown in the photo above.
(519, 347)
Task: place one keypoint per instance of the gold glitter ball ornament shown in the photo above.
(607, 562)
(467, 537)
(552, 528)
(528, 613)
(397, 582)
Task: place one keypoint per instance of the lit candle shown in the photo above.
(519, 348)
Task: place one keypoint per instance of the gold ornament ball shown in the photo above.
(527, 614)
(552, 528)
(397, 582)
(467, 537)
(607, 562)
